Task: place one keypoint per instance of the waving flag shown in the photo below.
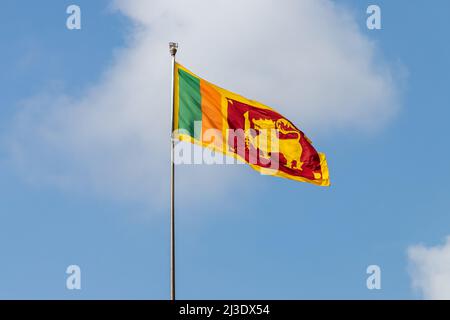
(247, 130)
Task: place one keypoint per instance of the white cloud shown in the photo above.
(430, 270)
(307, 59)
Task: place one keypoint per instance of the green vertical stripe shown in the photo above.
(190, 104)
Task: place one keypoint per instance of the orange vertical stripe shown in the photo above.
(211, 110)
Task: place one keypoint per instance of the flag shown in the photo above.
(225, 122)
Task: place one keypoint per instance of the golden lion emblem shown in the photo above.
(267, 140)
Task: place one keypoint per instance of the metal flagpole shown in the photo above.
(173, 51)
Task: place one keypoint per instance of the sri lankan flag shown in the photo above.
(247, 130)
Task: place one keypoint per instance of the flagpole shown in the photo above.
(173, 47)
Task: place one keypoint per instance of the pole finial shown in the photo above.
(173, 47)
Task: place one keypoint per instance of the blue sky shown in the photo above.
(279, 240)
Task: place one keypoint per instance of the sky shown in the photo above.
(84, 151)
